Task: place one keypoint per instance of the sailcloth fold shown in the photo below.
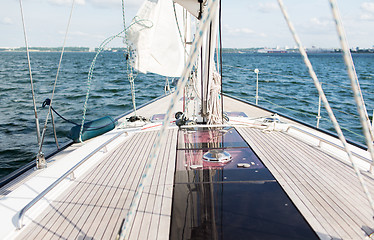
(156, 43)
(193, 6)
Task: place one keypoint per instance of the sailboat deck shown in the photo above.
(95, 205)
(324, 189)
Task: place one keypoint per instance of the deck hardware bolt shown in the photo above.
(40, 161)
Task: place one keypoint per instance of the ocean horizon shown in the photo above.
(284, 86)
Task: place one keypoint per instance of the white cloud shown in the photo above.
(67, 2)
(242, 30)
(320, 22)
(267, 7)
(232, 30)
(367, 11)
(263, 35)
(368, 6)
(100, 3)
(6, 21)
(105, 3)
(321, 25)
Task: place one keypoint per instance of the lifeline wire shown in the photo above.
(204, 23)
(326, 103)
(364, 119)
(54, 86)
(32, 83)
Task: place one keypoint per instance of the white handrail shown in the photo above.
(21, 213)
(328, 142)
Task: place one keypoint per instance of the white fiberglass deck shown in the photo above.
(95, 205)
(325, 190)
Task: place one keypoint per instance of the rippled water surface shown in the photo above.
(284, 85)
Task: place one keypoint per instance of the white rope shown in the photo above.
(208, 15)
(30, 73)
(326, 103)
(214, 103)
(130, 75)
(364, 118)
(58, 71)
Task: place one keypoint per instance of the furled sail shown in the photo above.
(156, 38)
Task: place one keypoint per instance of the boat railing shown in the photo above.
(70, 172)
(259, 87)
(323, 140)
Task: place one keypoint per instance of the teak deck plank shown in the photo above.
(115, 201)
(325, 190)
(94, 206)
(81, 186)
(142, 222)
(331, 204)
(304, 204)
(49, 221)
(326, 195)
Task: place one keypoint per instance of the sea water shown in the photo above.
(284, 86)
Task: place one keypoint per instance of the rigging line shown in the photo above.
(201, 78)
(54, 86)
(161, 136)
(123, 17)
(364, 118)
(90, 73)
(326, 104)
(220, 54)
(30, 73)
(89, 78)
(205, 107)
(130, 75)
(179, 30)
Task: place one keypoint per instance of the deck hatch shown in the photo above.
(226, 201)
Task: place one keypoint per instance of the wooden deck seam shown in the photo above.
(141, 212)
(344, 198)
(54, 215)
(119, 188)
(332, 204)
(324, 193)
(285, 181)
(86, 211)
(169, 179)
(161, 188)
(347, 169)
(160, 169)
(130, 193)
(110, 179)
(88, 176)
(330, 208)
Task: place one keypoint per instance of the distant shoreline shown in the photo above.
(225, 50)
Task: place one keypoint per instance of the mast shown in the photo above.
(207, 85)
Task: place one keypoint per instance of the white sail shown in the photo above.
(193, 6)
(156, 41)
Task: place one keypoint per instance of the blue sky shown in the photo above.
(246, 23)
